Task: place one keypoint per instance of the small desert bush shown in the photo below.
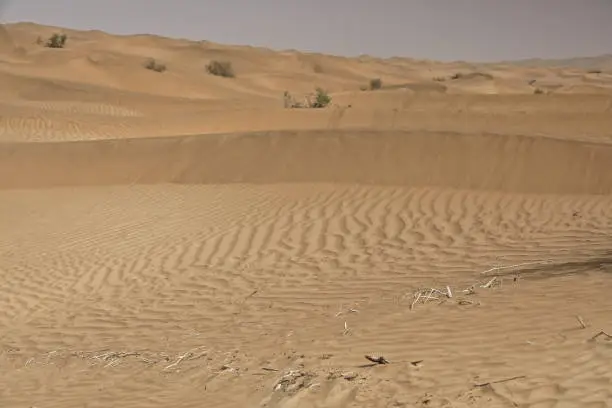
(56, 41)
(317, 68)
(320, 99)
(155, 66)
(594, 71)
(538, 91)
(221, 68)
(375, 83)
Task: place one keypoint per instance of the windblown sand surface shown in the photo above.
(178, 239)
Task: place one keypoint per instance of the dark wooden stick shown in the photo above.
(501, 381)
(377, 360)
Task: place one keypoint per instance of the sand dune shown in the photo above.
(179, 239)
(490, 162)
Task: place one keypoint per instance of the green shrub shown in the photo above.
(375, 84)
(221, 68)
(322, 99)
(56, 41)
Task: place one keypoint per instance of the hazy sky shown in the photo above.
(477, 30)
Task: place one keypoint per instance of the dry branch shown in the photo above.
(601, 333)
(415, 301)
(500, 381)
(500, 268)
(377, 360)
(489, 283)
(582, 324)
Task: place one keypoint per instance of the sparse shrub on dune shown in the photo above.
(56, 41)
(221, 68)
(320, 99)
(539, 91)
(375, 83)
(155, 66)
(471, 75)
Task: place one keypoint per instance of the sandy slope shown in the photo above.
(182, 240)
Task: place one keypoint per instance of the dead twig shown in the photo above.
(378, 360)
(415, 301)
(499, 268)
(489, 283)
(601, 333)
(582, 324)
(186, 356)
(500, 381)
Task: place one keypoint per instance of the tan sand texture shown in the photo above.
(178, 239)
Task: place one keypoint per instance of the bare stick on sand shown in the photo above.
(377, 360)
(346, 329)
(501, 381)
(579, 318)
(489, 283)
(499, 268)
(601, 333)
(415, 301)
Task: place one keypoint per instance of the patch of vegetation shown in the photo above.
(56, 41)
(539, 91)
(155, 66)
(375, 83)
(320, 99)
(594, 71)
(221, 68)
(470, 75)
(317, 68)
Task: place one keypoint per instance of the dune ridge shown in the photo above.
(491, 162)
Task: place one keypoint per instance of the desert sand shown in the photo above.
(179, 239)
